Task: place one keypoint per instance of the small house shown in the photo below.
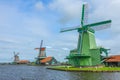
(48, 61)
(113, 61)
(23, 62)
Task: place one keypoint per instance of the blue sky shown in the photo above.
(24, 23)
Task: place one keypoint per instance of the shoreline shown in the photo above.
(74, 69)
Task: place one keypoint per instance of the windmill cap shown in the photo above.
(42, 49)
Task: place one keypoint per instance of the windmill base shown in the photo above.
(77, 60)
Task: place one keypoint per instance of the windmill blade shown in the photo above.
(40, 47)
(100, 25)
(41, 44)
(84, 17)
(69, 28)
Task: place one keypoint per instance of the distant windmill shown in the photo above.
(42, 53)
(87, 52)
(16, 57)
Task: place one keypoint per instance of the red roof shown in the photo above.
(115, 58)
(47, 59)
(42, 49)
(23, 61)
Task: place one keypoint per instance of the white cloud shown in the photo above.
(66, 49)
(69, 9)
(112, 44)
(37, 26)
(3, 40)
(49, 47)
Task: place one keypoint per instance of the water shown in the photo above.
(24, 72)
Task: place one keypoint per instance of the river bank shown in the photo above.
(81, 69)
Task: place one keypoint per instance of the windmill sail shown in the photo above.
(100, 25)
(69, 28)
(84, 18)
(40, 48)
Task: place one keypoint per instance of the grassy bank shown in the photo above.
(91, 69)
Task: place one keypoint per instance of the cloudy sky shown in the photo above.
(24, 23)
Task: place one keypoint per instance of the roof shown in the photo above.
(114, 58)
(47, 59)
(42, 49)
(23, 61)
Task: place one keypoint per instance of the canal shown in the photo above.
(24, 72)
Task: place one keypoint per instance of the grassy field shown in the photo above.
(89, 69)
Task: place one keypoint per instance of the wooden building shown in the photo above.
(48, 61)
(23, 62)
(113, 61)
(42, 59)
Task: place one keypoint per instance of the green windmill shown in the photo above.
(87, 52)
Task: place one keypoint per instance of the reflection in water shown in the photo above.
(22, 72)
(94, 76)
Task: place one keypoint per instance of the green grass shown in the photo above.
(91, 69)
